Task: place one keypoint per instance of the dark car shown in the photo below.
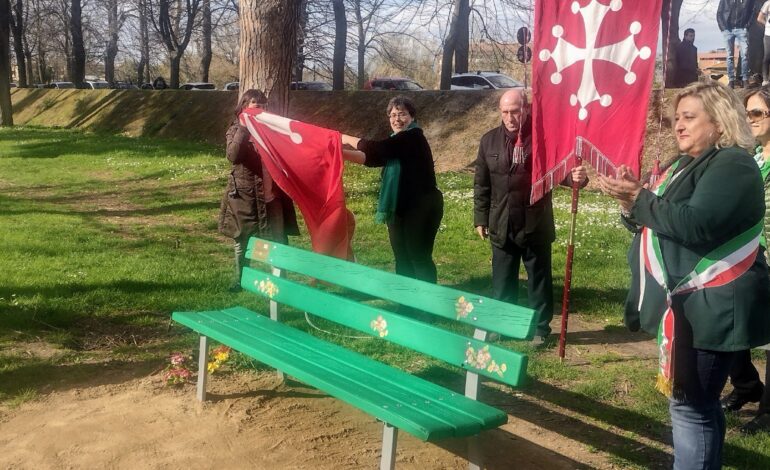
(197, 86)
(392, 83)
(314, 86)
(124, 86)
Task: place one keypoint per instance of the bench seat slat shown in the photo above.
(491, 361)
(325, 356)
(380, 390)
(481, 312)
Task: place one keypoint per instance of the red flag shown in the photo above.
(592, 74)
(305, 161)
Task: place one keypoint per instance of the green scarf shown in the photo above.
(390, 176)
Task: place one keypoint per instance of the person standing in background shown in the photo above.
(686, 60)
(733, 19)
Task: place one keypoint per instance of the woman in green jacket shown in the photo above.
(747, 386)
(699, 279)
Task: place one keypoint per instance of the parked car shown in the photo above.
(232, 86)
(392, 83)
(61, 85)
(124, 86)
(13, 85)
(314, 86)
(146, 86)
(197, 86)
(483, 81)
(96, 85)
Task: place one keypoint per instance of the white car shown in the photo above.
(96, 85)
(232, 86)
(197, 86)
(483, 81)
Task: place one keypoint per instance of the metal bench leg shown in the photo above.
(274, 316)
(475, 461)
(203, 355)
(475, 456)
(389, 439)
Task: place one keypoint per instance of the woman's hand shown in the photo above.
(355, 156)
(624, 187)
(350, 140)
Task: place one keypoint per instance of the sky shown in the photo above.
(701, 15)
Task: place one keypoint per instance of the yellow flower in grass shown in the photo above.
(219, 356)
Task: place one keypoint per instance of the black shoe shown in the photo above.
(735, 401)
(739, 84)
(235, 288)
(731, 84)
(759, 424)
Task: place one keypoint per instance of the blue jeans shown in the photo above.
(697, 419)
(731, 36)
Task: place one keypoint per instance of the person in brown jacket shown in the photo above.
(252, 204)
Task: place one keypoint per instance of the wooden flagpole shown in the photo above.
(568, 265)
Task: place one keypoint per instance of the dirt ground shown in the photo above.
(123, 416)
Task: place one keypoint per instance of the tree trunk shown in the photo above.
(203, 70)
(143, 68)
(174, 61)
(462, 42)
(361, 46)
(268, 47)
(672, 34)
(340, 45)
(78, 47)
(112, 43)
(6, 109)
(299, 64)
(17, 26)
(449, 47)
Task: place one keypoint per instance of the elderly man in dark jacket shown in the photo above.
(733, 18)
(516, 229)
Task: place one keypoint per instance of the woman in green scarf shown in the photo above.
(747, 386)
(410, 203)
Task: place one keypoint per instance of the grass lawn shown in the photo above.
(104, 236)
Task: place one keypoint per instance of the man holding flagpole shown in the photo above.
(517, 230)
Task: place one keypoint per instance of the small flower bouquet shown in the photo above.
(218, 356)
(177, 372)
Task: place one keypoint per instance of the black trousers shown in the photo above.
(745, 379)
(505, 279)
(412, 235)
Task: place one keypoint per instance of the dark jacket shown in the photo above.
(501, 193)
(244, 211)
(686, 64)
(716, 197)
(733, 14)
(411, 148)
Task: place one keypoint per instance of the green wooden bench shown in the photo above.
(398, 399)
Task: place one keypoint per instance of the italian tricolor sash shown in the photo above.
(719, 267)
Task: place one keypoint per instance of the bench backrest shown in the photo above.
(471, 354)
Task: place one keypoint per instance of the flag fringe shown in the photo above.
(585, 151)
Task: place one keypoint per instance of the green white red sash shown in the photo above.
(719, 267)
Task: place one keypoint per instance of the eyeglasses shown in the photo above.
(398, 115)
(756, 115)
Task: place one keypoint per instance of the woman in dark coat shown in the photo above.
(699, 279)
(252, 205)
(410, 202)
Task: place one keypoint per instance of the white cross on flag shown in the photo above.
(592, 74)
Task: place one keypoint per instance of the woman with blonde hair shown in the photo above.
(699, 279)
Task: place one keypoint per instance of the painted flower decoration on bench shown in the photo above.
(267, 287)
(463, 308)
(380, 326)
(482, 359)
